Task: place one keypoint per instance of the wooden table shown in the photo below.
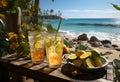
(10, 64)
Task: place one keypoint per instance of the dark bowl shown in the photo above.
(86, 69)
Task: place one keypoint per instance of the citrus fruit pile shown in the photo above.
(89, 59)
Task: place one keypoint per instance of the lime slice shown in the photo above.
(37, 44)
(72, 57)
(90, 63)
(95, 53)
(77, 62)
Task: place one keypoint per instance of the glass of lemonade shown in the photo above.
(37, 49)
(54, 49)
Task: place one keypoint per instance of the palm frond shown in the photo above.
(116, 6)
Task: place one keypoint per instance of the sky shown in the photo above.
(83, 8)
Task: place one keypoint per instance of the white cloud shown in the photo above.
(88, 11)
(76, 13)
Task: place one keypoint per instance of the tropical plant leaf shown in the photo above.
(116, 6)
(68, 43)
(52, 0)
(50, 28)
(23, 49)
(4, 47)
(82, 47)
(117, 72)
(116, 63)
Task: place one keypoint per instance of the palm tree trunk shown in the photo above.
(12, 22)
(37, 2)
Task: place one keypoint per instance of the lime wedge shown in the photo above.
(72, 57)
(77, 62)
(90, 63)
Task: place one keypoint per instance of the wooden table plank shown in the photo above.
(41, 71)
(43, 77)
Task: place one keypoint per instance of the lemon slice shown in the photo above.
(37, 37)
(79, 53)
(66, 50)
(37, 44)
(48, 41)
(85, 55)
(59, 47)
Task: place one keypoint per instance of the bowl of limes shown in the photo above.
(88, 60)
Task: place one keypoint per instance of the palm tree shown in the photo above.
(44, 12)
(47, 12)
(59, 13)
(51, 11)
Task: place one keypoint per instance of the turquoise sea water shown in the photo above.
(103, 28)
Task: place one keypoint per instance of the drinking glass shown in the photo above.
(54, 49)
(37, 49)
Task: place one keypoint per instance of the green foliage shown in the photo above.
(28, 17)
(116, 63)
(116, 6)
(4, 44)
(117, 73)
(13, 4)
(23, 49)
(68, 43)
(82, 47)
(50, 28)
(4, 47)
(52, 0)
(117, 68)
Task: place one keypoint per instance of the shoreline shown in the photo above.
(101, 36)
(102, 28)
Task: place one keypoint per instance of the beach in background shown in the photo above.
(102, 28)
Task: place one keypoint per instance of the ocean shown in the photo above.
(102, 28)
